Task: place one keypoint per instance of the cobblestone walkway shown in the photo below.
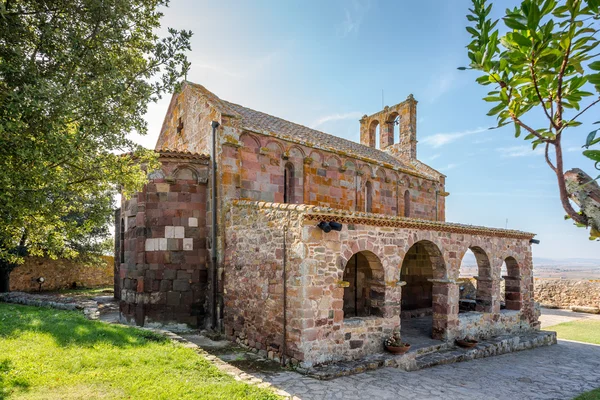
(561, 371)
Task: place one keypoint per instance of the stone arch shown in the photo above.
(317, 158)
(249, 141)
(423, 268)
(185, 172)
(483, 283)
(388, 134)
(334, 162)
(295, 152)
(380, 173)
(349, 165)
(275, 148)
(367, 171)
(373, 133)
(513, 298)
(364, 294)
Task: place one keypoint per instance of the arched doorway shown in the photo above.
(512, 284)
(422, 263)
(364, 293)
(475, 281)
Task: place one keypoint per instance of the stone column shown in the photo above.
(393, 299)
(512, 296)
(485, 291)
(445, 308)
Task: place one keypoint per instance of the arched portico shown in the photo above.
(427, 293)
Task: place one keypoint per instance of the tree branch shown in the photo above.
(562, 187)
(529, 129)
(537, 90)
(552, 167)
(585, 109)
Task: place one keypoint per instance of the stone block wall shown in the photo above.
(326, 179)
(317, 330)
(60, 274)
(164, 274)
(564, 293)
(253, 280)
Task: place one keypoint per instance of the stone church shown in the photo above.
(310, 247)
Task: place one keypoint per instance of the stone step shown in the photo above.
(492, 347)
(432, 355)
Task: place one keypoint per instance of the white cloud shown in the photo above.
(433, 157)
(448, 167)
(241, 69)
(574, 149)
(440, 139)
(353, 17)
(336, 117)
(520, 151)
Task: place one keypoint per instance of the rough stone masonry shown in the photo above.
(284, 282)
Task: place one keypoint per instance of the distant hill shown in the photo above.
(469, 260)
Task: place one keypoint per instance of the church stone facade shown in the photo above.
(283, 281)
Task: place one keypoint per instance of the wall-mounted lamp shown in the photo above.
(40, 281)
(328, 226)
(534, 241)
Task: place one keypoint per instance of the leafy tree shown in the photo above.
(545, 61)
(76, 77)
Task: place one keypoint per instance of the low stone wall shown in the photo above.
(565, 293)
(60, 274)
(484, 325)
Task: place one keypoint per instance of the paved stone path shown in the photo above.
(551, 317)
(561, 371)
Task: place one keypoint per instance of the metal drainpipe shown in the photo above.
(284, 277)
(213, 248)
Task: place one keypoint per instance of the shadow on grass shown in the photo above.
(6, 383)
(69, 328)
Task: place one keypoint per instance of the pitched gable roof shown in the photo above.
(266, 124)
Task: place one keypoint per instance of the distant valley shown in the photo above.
(568, 268)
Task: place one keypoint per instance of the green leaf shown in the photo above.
(514, 24)
(521, 40)
(472, 31)
(491, 98)
(461, 68)
(595, 66)
(590, 138)
(517, 130)
(496, 109)
(592, 154)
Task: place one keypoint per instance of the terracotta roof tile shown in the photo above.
(260, 122)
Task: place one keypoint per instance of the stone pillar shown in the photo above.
(393, 299)
(445, 308)
(512, 296)
(485, 291)
(408, 128)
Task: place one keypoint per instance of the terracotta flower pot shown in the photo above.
(398, 349)
(466, 343)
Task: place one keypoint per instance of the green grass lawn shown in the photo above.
(583, 331)
(592, 395)
(51, 354)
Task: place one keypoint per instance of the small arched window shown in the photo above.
(368, 197)
(122, 242)
(288, 183)
(407, 204)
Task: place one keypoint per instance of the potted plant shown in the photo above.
(395, 345)
(467, 342)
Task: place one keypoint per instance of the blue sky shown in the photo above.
(325, 63)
